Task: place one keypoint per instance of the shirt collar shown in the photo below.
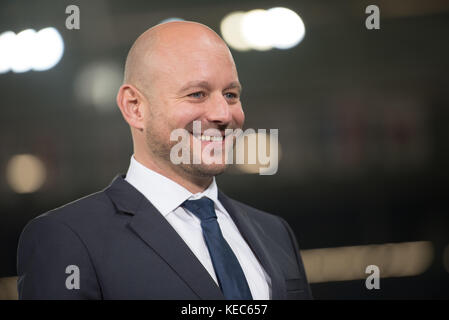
(165, 194)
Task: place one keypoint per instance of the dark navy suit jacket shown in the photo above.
(125, 249)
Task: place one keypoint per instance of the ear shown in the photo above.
(131, 104)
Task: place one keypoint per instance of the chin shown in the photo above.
(206, 170)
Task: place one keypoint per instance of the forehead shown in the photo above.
(176, 64)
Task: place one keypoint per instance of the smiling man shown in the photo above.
(177, 73)
(165, 231)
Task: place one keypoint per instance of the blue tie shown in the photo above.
(230, 275)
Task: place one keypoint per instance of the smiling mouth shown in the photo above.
(218, 136)
(203, 137)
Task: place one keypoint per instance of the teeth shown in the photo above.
(210, 138)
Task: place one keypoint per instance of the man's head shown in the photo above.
(177, 73)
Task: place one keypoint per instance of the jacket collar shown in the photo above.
(157, 233)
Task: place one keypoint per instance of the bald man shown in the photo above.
(164, 230)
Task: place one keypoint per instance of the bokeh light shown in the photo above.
(247, 146)
(349, 263)
(287, 28)
(231, 31)
(7, 40)
(256, 29)
(262, 30)
(30, 50)
(25, 173)
(97, 85)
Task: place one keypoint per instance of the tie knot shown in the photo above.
(203, 208)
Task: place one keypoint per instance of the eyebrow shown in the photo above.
(235, 85)
(206, 85)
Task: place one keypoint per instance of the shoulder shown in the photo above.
(52, 242)
(89, 208)
(73, 222)
(68, 228)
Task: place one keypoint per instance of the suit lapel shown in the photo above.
(158, 234)
(246, 228)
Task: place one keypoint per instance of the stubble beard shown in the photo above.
(161, 149)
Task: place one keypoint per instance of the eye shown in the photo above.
(231, 95)
(197, 95)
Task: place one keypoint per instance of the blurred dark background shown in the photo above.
(362, 117)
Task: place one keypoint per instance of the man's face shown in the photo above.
(200, 85)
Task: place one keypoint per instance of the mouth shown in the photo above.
(214, 138)
(211, 136)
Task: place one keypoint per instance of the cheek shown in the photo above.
(183, 115)
(239, 116)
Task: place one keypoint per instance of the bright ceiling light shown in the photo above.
(287, 28)
(6, 44)
(256, 29)
(30, 50)
(23, 49)
(49, 49)
(231, 31)
(262, 30)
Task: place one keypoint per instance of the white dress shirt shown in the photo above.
(167, 196)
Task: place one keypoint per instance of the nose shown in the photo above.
(218, 111)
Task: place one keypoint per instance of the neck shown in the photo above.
(191, 183)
